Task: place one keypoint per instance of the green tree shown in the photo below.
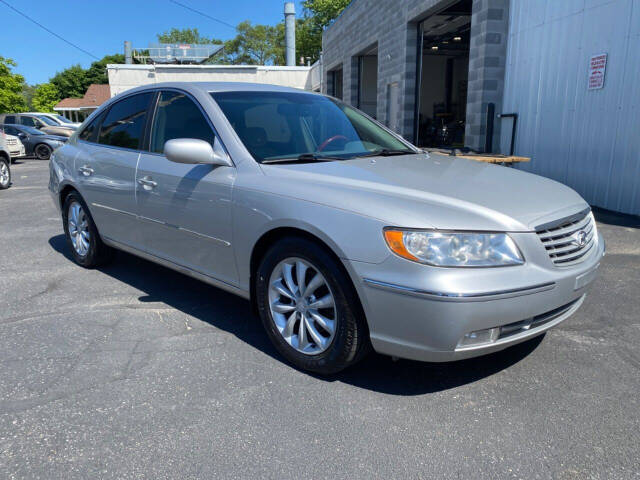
(255, 45)
(323, 12)
(28, 91)
(74, 81)
(45, 97)
(11, 85)
(71, 82)
(97, 72)
(185, 35)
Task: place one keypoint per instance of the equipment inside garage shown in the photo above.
(443, 70)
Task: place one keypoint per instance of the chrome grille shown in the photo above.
(12, 141)
(568, 241)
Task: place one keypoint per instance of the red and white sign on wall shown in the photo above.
(597, 67)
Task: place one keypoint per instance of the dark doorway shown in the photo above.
(368, 82)
(335, 83)
(443, 71)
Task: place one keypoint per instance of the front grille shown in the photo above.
(568, 241)
(12, 141)
(530, 323)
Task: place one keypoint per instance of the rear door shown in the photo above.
(106, 166)
(185, 210)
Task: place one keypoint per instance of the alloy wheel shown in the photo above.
(302, 306)
(4, 174)
(78, 224)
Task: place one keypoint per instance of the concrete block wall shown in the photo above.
(392, 25)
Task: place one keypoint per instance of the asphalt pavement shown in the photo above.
(135, 371)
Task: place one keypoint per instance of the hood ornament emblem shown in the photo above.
(579, 239)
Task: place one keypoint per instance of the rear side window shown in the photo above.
(177, 116)
(124, 124)
(29, 121)
(10, 119)
(90, 132)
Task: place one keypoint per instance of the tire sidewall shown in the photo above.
(41, 145)
(343, 348)
(90, 259)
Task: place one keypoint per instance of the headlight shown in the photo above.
(458, 249)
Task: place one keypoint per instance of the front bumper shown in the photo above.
(419, 312)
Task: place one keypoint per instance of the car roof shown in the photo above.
(221, 87)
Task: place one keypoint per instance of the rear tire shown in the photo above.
(345, 342)
(5, 173)
(82, 236)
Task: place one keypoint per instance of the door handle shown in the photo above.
(147, 183)
(86, 171)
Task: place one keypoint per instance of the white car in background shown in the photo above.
(59, 119)
(5, 161)
(15, 147)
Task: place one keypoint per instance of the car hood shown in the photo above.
(429, 191)
(57, 138)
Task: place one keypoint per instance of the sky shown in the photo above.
(101, 27)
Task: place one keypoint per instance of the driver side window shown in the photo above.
(177, 116)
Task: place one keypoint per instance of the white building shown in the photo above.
(124, 77)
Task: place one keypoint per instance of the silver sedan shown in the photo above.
(342, 235)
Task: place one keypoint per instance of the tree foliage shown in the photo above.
(74, 81)
(45, 97)
(323, 12)
(185, 35)
(11, 85)
(255, 45)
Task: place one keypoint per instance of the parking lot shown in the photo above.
(136, 371)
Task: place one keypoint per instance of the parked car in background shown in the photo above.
(41, 123)
(36, 143)
(342, 234)
(59, 119)
(5, 163)
(15, 147)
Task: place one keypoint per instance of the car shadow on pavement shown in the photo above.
(234, 315)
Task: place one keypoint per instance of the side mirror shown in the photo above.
(22, 135)
(194, 151)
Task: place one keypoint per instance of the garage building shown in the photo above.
(554, 80)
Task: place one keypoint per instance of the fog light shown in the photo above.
(479, 337)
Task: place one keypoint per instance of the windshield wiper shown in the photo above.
(305, 157)
(385, 152)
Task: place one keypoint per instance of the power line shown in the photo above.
(200, 13)
(47, 30)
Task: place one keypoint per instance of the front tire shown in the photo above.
(42, 151)
(309, 307)
(5, 173)
(81, 234)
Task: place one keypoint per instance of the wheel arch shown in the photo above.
(274, 235)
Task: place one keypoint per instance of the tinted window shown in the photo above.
(10, 119)
(10, 130)
(29, 121)
(177, 116)
(90, 132)
(47, 120)
(275, 125)
(124, 124)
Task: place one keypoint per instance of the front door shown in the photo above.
(185, 210)
(108, 153)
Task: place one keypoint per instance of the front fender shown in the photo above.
(349, 235)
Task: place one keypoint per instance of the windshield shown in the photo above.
(47, 120)
(60, 118)
(289, 125)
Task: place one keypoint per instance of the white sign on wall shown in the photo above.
(597, 67)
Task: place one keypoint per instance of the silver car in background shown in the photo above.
(342, 235)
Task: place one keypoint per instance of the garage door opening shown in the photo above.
(443, 71)
(368, 82)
